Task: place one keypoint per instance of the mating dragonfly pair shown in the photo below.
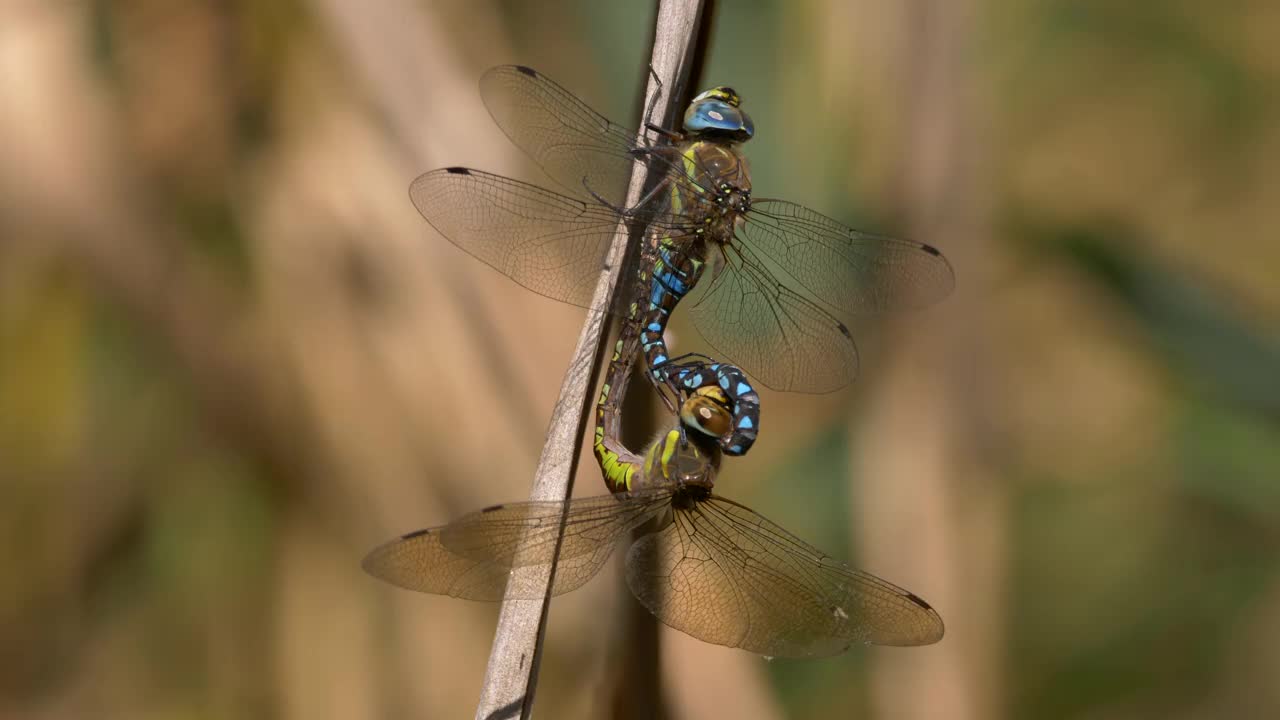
(702, 563)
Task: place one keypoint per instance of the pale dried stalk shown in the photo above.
(511, 676)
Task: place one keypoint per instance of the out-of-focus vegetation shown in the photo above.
(232, 356)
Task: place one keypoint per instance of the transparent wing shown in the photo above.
(724, 574)
(574, 144)
(551, 244)
(851, 270)
(761, 316)
(580, 149)
(472, 557)
(776, 335)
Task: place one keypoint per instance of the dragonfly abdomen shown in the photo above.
(676, 270)
(674, 273)
(617, 463)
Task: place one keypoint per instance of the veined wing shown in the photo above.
(776, 335)
(853, 271)
(472, 557)
(551, 244)
(726, 575)
(578, 147)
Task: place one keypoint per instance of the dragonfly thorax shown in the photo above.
(681, 458)
(690, 495)
(720, 173)
(714, 166)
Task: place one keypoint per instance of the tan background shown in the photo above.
(233, 357)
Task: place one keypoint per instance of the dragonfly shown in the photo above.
(776, 272)
(702, 563)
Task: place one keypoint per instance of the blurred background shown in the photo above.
(233, 357)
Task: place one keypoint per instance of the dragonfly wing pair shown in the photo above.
(764, 305)
(717, 571)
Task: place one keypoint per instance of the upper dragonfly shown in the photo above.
(777, 268)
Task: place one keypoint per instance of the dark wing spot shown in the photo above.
(527, 70)
(457, 170)
(415, 533)
(491, 508)
(930, 249)
(916, 599)
(844, 330)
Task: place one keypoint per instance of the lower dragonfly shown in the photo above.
(703, 564)
(773, 267)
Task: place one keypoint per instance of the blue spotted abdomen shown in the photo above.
(674, 273)
(672, 276)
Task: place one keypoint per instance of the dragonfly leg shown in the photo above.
(670, 394)
(601, 200)
(628, 212)
(671, 135)
(687, 356)
(668, 153)
(652, 105)
(684, 436)
(657, 188)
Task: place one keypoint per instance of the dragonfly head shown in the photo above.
(707, 411)
(710, 412)
(715, 115)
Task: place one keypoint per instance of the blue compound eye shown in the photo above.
(716, 115)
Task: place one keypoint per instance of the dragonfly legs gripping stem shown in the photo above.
(652, 105)
(670, 135)
(634, 211)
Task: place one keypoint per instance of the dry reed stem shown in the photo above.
(511, 677)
